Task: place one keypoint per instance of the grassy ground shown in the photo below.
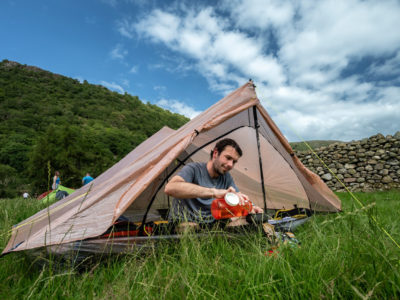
(343, 255)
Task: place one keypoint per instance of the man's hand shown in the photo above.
(256, 210)
(220, 193)
(242, 198)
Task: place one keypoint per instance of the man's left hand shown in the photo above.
(242, 198)
(256, 210)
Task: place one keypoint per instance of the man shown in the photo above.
(198, 184)
(87, 179)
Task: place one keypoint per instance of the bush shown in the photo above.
(9, 182)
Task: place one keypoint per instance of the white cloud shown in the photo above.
(204, 37)
(178, 107)
(297, 53)
(113, 86)
(125, 82)
(79, 78)
(112, 3)
(134, 69)
(329, 34)
(390, 67)
(126, 28)
(160, 88)
(175, 65)
(260, 13)
(319, 114)
(159, 26)
(155, 66)
(118, 52)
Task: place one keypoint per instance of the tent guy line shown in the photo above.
(52, 210)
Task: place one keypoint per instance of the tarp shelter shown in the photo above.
(269, 172)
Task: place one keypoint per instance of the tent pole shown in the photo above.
(259, 156)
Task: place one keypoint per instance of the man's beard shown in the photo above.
(217, 168)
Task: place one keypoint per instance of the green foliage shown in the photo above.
(9, 182)
(342, 256)
(77, 127)
(14, 151)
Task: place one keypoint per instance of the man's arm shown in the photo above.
(178, 188)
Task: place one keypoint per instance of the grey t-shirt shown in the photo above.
(198, 209)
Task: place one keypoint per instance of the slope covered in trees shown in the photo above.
(51, 122)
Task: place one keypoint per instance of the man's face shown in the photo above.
(225, 161)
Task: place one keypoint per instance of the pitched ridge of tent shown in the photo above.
(230, 105)
(275, 129)
(236, 101)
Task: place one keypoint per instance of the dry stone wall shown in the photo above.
(366, 165)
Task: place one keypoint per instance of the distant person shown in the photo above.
(25, 195)
(87, 179)
(56, 180)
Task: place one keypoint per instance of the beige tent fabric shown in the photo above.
(320, 196)
(100, 195)
(283, 188)
(130, 184)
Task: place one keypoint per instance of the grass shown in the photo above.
(344, 255)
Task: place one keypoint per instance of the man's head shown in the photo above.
(225, 155)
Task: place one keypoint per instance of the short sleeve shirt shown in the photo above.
(87, 179)
(198, 209)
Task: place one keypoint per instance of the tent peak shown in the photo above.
(251, 82)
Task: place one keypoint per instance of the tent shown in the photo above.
(51, 196)
(269, 172)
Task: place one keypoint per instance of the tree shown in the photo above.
(52, 120)
(9, 181)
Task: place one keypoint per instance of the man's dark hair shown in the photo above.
(222, 144)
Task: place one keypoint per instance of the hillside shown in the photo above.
(49, 120)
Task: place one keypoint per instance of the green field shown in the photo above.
(344, 255)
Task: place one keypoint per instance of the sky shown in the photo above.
(324, 70)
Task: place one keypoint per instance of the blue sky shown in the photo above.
(323, 69)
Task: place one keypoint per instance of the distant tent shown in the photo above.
(269, 172)
(51, 196)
